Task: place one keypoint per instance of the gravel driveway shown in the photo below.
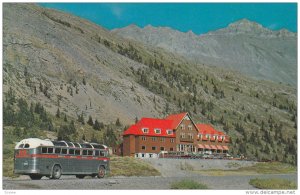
(70, 182)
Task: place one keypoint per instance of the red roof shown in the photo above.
(151, 124)
(200, 146)
(208, 129)
(219, 147)
(176, 118)
(225, 148)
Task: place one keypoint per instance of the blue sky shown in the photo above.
(198, 17)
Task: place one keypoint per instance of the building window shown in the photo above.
(153, 139)
(190, 127)
(144, 138)
(153, 148)
(143, 147)
(136, 155)
(162, 148)
(182, 135)
(150, 155)
(172, 140)
(143, 155)
(162, 139)
(171, 149)
(170, 132)
(157, 131)
(182, 126)
(145, 130)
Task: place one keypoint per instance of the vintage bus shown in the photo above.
(37, 158)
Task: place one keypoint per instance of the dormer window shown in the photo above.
(145, 130)
(170, 132)
(157, 131)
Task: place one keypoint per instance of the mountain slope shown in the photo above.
(80, 68)
(244, 46)
(61, 50)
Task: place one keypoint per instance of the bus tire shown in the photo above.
(35, 177)
(101, 172)
(56, 172)
(80, 176)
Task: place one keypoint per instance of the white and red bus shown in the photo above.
(37, 158)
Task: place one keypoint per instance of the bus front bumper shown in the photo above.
(33, 171)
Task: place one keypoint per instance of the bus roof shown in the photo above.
(36, 142)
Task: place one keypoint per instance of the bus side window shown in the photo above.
(21, 145)
(44, 150)
(50, 150)
(101, 153)
(64, 151)
(71, 151)
(77, 152)
(84, 152)
(90, 152)
(57, 150)
(97, 152)
(26, 146)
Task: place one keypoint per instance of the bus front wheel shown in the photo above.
(101, 172)
(35, 177)
(56, 172)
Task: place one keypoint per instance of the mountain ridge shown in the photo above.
(245, 46)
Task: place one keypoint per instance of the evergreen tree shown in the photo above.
(57, 113)
(96, 125)
(65, 118)
(90, 121)
(81, 118)
(109, 137)
(72, 128)
(118, 123)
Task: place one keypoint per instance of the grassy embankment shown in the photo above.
(273, 183)
(258, 168)
(127, 166)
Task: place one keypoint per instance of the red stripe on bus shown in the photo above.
(60, 156)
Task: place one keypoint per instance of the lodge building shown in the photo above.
(176, 133)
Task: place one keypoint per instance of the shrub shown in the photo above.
(188, 184)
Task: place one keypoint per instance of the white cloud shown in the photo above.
(117, 11)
